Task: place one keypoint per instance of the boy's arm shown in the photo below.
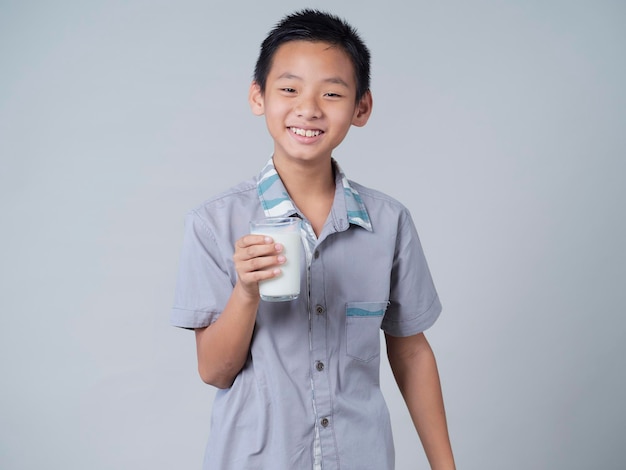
(223, 346)
(415, 370)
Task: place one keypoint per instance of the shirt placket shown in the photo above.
(322, 398)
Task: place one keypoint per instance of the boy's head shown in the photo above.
(315, 26)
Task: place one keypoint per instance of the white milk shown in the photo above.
(286, 286)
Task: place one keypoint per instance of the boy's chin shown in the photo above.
(305, 158)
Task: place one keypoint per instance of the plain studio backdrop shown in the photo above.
(500, 124)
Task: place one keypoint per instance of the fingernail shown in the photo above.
(268, 240)
(278, 247)
(281, 259)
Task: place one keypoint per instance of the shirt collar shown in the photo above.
(277, 203)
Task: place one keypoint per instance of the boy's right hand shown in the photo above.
(256, 258)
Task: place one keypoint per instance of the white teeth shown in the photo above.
(305, 133)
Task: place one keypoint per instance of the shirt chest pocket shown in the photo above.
(363, 320)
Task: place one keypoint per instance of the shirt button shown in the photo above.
(324, 422)
(319, 309)
(319, 366)
(316, 254)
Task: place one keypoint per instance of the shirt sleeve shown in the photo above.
(414, 303)
(204, 284)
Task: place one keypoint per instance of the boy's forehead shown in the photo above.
(298, 51)
(311, 49)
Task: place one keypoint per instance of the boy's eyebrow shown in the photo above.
(334, 80)
(337, 81)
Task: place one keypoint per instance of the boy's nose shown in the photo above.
(308, 108)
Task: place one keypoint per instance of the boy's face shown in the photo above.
(309, 100)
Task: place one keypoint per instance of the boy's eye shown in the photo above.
(288, 90)
(333, 95)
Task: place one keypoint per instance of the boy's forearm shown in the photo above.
(415, 370)
(223, 347)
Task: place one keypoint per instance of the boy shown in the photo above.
(299, 380)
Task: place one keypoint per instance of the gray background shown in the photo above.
(499, 124)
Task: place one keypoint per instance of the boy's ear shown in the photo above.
(363, 110)
(255, 98)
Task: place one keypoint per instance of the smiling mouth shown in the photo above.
(305, 132)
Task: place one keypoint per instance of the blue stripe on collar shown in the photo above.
(277, 203)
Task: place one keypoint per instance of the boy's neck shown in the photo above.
(311, 186)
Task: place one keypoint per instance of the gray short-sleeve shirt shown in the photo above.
(313, 362)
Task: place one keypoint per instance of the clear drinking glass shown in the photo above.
(286, 231)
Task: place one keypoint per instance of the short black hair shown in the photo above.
(316, 26)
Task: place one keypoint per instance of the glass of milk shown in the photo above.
(286, 231)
